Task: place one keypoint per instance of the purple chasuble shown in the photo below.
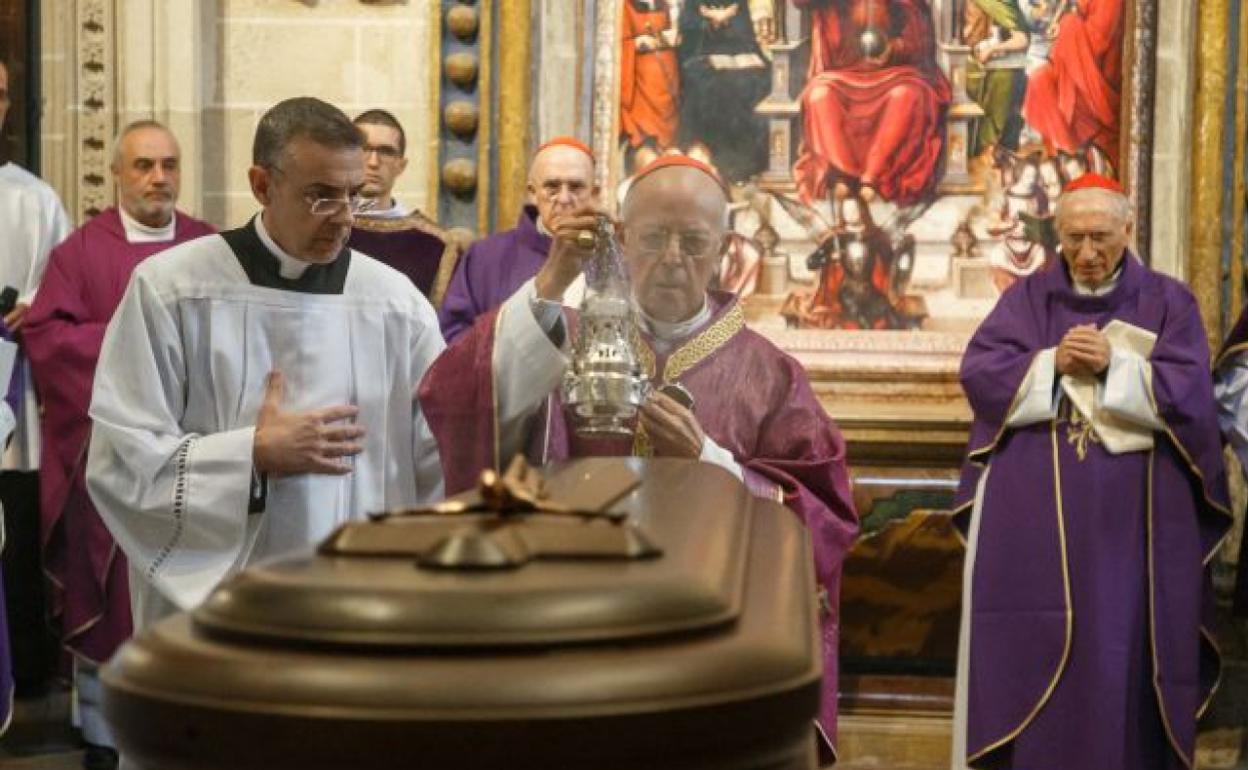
(413, 245)
(491, 271)
(770, 420)
(85, 279)
(1090, 598)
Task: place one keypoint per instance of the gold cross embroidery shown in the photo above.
(1079, 432)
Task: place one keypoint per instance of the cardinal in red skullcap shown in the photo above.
(495, 391)
(561, 180)
(1093, 496)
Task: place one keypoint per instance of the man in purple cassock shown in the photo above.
(85, 279)
(407, 241)
(1097, 496)
(561, 180)
(494, 391)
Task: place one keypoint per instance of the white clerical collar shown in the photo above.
(289, 267)
(541, 227)
(1083, 290)
(396, 211)
(137, 232)
(671, 332)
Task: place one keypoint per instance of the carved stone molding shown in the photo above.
(606, 93)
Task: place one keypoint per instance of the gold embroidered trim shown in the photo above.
(446, 271)
(1227, 517)
(1152, 621)
(1068, 607)
(700, 347)
(413, 221)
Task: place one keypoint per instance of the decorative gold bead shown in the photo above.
(460, 176)
(461, 69)
(461, 118)
(463, 21)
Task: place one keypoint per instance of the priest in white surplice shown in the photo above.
(256, 389)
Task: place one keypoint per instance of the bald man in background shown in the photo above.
(561, 180)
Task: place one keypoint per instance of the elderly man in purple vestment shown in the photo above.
(385, 230)
(755, 414)
(561, 180)
(86, 277)
(1097, 495)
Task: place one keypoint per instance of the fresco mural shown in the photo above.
(894, 163)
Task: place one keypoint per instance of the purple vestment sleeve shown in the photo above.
(491, 271)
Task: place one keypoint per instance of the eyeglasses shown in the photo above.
(384, 151)
(553, 188)
(694, 245)
(329, 207)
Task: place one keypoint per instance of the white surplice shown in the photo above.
(180, 381)
(32, 223)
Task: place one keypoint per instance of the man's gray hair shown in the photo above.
(1116, 204)
(302, 117)
(129, 129)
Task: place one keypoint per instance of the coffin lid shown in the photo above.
(669, 559)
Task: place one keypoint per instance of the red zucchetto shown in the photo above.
(1095, 182)
(671, 161)
(566, 141)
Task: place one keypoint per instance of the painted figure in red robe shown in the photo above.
(649, 74)
(874, 104)
(1073, 100)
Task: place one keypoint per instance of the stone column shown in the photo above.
(1172, 132)
(559, 55)
(163, 49)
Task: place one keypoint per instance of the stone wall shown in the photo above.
(355, 55)
(210, 68)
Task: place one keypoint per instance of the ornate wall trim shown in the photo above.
(78, 80)
(1137, 114)
(606, 102)
(515, 89)
(96, 104)
(1208, 136)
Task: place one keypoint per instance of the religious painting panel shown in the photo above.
(894, 163)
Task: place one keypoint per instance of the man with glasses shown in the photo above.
(407, 241)
(561, 180)
(81, 289)
(256, 389)
(495, 392)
